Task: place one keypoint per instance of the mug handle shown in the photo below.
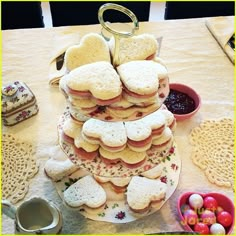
(8, 209)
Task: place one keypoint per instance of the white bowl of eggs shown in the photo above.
(206, 213)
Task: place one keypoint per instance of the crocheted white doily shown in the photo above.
(213, 150)
(19, 165)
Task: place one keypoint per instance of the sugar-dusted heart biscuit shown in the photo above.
(118, 181)
(134, 111)
(165, 140)
(80, 142)
(70, 130)
(92, 48)
(170, 119)
(110, 135)
(84, 149)
(138, 47)
(140, 133)
(72, 134)
(153, 173)
(96, 80)
(86, 191)
(117, 184)
(141, 78)
(142, 192)
(141, 129)
(129, 158)
(82, 103)
(57, 169)
(59, 166)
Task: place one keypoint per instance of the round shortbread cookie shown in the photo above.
(213, 150)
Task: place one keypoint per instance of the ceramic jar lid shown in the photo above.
(9, 90)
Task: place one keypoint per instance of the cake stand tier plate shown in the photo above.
(107, 113)
(116, 209)
(98, 167)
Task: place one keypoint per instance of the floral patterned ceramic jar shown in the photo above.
(18, 103)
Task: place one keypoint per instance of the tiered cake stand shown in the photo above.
(116, 209)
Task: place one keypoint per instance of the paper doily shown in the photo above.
(98, 167)
(213, 150)
(116, 210)
(18, 167)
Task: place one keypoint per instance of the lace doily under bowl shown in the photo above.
(19, 165)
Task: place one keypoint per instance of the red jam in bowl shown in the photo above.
(179, 103)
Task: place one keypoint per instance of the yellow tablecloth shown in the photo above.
(192, 56)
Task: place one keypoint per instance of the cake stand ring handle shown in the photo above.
(126, 11)
(117, 34)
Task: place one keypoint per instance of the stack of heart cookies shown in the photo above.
(129, 91)
(116, 117)
(127, 142)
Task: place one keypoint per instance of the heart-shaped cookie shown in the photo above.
(107, 134)
(92, 48)
(70, 130)
(98, 80)
(138, 47)
(141, 192)
(141, 78)
(58, 166)
(57, 169)
(143, 128)
(86, 191)
(128, 157)
(138, 135)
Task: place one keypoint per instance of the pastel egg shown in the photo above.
(217, 229)
(225, 218)
(196, 201)
(190, 217)
(184, 208)
(208, 217)
(219, 209)
(201, 228)
(210, 203)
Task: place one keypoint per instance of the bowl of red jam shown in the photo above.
(182, 101)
